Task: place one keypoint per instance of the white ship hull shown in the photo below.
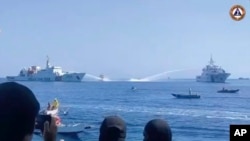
(70, 77)
(213, 73)
(50, 73)
(214, 78)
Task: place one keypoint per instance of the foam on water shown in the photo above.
(172, 111)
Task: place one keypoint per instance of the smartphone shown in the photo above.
(40, 120)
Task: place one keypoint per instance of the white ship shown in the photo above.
(50, 73)
(213, 73)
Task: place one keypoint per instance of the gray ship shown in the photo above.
(213, 73)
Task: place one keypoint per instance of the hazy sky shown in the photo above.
(124, 38)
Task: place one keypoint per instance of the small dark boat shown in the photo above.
(133, 88)
(187, 96)
(242, 78)
(228, 91)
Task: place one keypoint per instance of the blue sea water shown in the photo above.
(205, 119)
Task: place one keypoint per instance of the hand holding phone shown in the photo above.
(50, 130)
(40, 120)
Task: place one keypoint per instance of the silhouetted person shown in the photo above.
(113, 128)
(190, 91)
(49, 106)
(133, 88)
(19, 108)
(157, 130)
(55, 104)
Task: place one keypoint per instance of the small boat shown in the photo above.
(187, 96)
(242, 78)
(228, 91)
(70, 128)
(66, 129)
(133, 88)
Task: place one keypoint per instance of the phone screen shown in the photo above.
(40, 120)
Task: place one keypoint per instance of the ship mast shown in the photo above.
(47, 63)
(211, 61)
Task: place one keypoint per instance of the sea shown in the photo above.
(204, 119)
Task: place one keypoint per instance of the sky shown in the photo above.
(124, 38)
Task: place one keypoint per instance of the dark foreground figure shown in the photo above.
(157, 130)
(19, 108)
(113, 128)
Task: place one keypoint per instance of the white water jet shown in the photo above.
(157, 76)
(100, 78)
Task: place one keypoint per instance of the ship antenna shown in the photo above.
(211, 60)
(47, 63)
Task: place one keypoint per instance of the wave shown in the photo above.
(235, 117)
(222, 114)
